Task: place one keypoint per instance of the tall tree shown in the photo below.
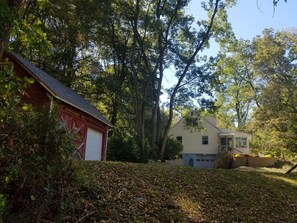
(237, 91)
(60, 40)
(275, 65)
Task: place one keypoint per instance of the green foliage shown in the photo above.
(122, 148)
(173, 149)
(21, 24)
(11, 89)
(274, 120)
(235, 74)
(257, 90)
(35, 165)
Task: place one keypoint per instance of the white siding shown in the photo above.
(242, 150)
(192, 141)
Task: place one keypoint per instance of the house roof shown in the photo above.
(221, 131)
(226, 132)
(59, 90)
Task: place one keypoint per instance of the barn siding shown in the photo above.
(89, 122)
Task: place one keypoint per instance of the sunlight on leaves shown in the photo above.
(192, 209)
(292, 182)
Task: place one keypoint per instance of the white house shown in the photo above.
(201, 149)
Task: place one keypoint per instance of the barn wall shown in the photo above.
(84, 121)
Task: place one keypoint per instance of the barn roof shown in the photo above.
(59, 90)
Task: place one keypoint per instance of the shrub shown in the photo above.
(173, 149)
(35, 165)
(122, 148)
(224, 160)
(35, 168)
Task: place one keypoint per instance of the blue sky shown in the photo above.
(248, 19)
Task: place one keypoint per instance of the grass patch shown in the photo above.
(125, 192)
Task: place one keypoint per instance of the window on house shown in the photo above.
(223, 141)
(238, 142)
(204, 140)
(241, 142)
(244, 142)
(179, 138)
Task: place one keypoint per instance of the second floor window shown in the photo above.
(179, 138)
(204, 140)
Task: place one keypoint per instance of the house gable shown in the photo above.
(192, 140)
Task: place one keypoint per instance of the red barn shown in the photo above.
(90, 127)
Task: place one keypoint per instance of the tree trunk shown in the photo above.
(4, 41)
(156, 111)
(140, 119)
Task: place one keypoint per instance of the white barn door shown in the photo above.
(93, 145)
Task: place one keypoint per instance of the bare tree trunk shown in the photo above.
(140, 123)
(156, 110)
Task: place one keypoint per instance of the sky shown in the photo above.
(248, 19)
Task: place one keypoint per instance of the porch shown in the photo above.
(235, 143)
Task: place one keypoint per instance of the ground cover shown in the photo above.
(126, 192)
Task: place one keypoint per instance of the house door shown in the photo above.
(226, 144)
(93, 145)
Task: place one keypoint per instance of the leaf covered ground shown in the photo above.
(126, 192)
